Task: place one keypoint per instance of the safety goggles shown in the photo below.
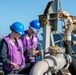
(34, 30)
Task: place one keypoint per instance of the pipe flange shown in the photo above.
(54, 59)
(68, 60)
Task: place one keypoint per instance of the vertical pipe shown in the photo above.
(46, 37)
(52, 43)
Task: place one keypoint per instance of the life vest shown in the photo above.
(28, 43)
(15, 53)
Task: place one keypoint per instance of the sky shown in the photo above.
(25, 11)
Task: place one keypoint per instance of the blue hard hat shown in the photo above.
(35, 26)
(18, 27)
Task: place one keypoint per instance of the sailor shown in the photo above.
(12, 50)
(30, 43)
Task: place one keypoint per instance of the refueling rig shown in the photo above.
(56, 58)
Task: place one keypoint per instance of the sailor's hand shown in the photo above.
(36, 53)
(15, 65)
(31, 49)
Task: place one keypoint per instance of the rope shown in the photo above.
(57, 41)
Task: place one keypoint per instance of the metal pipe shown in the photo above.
(41, 67)
(56, 63)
